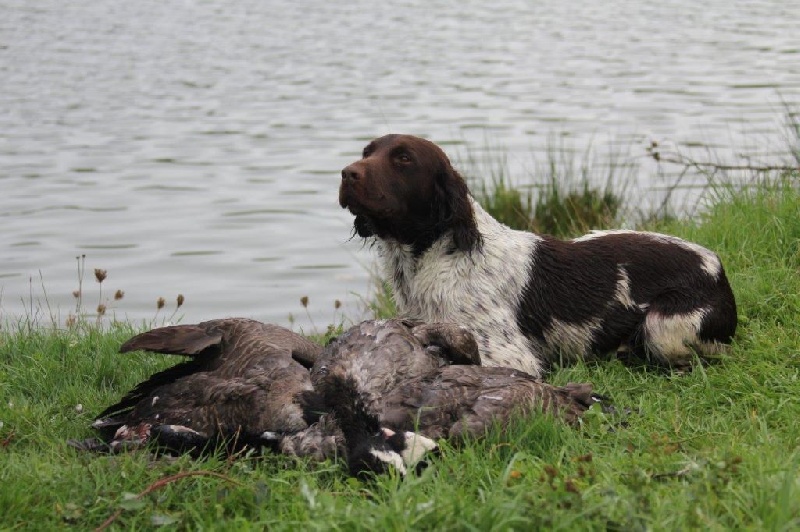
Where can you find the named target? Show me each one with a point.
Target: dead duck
(426, 377)
(245, 385)
(240, 383)
(380, 354)
(379, 393)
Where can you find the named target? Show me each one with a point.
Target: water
(195, 147)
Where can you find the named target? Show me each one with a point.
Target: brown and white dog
(531, 300)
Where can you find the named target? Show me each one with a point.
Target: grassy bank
(718, 448)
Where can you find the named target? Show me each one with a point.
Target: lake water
(195, 147)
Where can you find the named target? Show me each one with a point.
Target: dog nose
(350, 174)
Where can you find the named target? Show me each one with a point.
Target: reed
(566, 194)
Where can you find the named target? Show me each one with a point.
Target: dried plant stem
(178, 304)
(687, 162)
(53, 319)
(81, 269)
(7, 440)
(30, 301)
(160, 483)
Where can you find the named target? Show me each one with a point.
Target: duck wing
(113, 415)
(267, 400)
(463, 401)
(227, 348)
(457, 343)
(505, 393)
(206, 408)
(430, 404)
(216, 341)
(201, 341)
(192, 340)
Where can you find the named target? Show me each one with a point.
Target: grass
(568, 194)
(39, 311)
(716, 449)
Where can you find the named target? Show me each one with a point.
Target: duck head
(370, 447)
(386, 450)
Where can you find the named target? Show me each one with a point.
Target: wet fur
(531, 300)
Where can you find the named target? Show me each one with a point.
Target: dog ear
(453, 203)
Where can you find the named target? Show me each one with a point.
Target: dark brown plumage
(409, 385)
(378, 355)
(460, 401)
(367, 394)
(242, 380)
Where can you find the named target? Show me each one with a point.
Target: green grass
(567, 194)
(718, 448)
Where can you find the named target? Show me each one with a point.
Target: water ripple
(198, 147)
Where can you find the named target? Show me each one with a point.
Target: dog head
(405, 189)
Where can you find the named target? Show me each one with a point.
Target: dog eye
(403, 157)
(368, 149)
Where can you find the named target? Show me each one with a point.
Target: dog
(531, 300)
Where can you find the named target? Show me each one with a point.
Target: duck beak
(416, 447)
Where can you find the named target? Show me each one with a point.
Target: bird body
(240, 382)
(380, 393)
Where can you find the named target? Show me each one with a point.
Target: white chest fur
(479, 290)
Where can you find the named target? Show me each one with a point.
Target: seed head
(119, 294)
(100, 275)
(304, 301)
(571, 486)
(160, 303)
(337, 304)
(101, 309)
(180, 300)
(76, 294)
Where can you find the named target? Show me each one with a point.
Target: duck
(381, 394)
(380, 354)
(241, 381)
(427, 377)
(245, 385)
